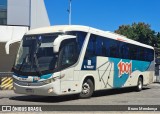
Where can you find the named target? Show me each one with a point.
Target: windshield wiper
(23, 62)
(37, 64)
(36, 59)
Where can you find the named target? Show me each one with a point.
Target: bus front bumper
(51, 89)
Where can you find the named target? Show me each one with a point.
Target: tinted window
(123, 50)
(100, 46)
(80, 37)
(90, 51)
(68, 53)
(113, 47)
(141, 53)
(150, 56)
(106, 48)
(132, 51)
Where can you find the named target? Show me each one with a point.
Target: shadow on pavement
(55, 99)
(45, 99)
(115, 91)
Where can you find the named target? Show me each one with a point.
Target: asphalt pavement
(150, 95)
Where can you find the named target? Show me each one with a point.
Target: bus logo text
(124, 68)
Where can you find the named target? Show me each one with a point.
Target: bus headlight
(50, 90)
(49, 80)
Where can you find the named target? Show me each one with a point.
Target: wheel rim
(140, 84)
(85, 88)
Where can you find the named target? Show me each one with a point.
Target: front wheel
(139, 84)
(87, 89)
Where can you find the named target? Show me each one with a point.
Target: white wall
(39, 16)
(8, 33)
(18, 12)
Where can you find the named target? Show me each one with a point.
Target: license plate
(29, 79)
(28, 90)
(23, 79)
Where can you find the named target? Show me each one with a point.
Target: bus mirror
(59, 39)
(9, 43)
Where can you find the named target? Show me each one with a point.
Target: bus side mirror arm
(58, 40)
(9, 43)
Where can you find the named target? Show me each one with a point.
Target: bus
(75, 59)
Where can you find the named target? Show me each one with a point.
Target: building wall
(7, 60)
(17, 16)
(18, 12)
(39, 16)
(27, 13)
(8, 33)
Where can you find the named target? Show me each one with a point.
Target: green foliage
(158, 39)
(140, 32)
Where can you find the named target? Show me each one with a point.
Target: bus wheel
(139, 84)
(87, 89)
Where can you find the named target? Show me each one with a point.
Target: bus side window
(150, 56)
(106, 47)
(99, 45)
(145, 54)
(138, 53)
(68, 53)
(80, 39)
(90, 51)
(141, 54)
(133, 52)
(114, 48)
(122, 50)
(125, 51)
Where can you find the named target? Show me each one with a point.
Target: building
(16, 18)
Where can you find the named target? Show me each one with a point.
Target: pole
(70, 11)
(30, 11)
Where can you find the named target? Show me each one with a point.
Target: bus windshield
(36, 54)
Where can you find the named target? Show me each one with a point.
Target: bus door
(67, 58)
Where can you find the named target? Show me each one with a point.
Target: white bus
(74, 59)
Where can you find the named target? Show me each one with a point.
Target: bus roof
(64, 28)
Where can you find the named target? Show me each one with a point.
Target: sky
(106, 15)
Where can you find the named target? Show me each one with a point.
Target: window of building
(3, 12)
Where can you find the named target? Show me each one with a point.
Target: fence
(6, 81)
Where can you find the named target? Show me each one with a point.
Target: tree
(140, 32)
(158, 40)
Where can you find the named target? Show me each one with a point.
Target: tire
(87, 89)
(139, 84)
